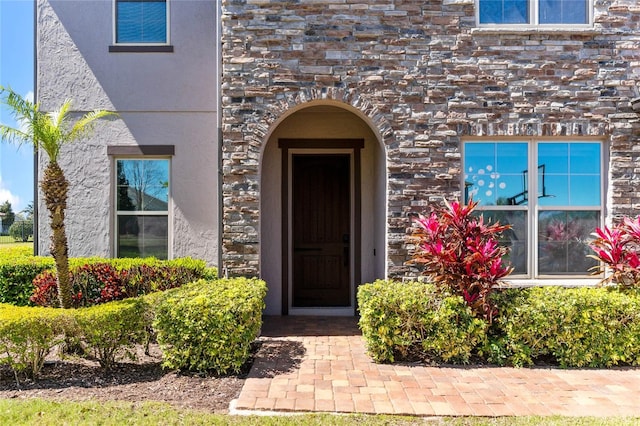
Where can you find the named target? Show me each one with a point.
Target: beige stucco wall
(161, 98)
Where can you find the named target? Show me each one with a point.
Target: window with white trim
(141, 21)
(550, 192)
(142, 207)
(533, 12)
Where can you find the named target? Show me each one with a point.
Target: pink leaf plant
(461, 253)
(617, 250)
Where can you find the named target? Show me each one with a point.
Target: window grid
(533, 210)
(532, 9)
(144, 211)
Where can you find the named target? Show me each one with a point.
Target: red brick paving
(320, 364)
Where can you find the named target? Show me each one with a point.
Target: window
(551, 194)
(141, 21)
(142, 208)
(534, 12)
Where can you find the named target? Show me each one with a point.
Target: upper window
(142, 208)
(533, 12)
(551, 194)
(141, 21)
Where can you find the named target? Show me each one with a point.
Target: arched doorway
(323, 210)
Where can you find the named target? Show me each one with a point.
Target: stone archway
(246, 128)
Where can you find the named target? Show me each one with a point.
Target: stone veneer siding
(426, 77)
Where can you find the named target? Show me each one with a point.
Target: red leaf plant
(617, 249)
(460, 253)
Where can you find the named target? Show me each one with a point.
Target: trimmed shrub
(575, 327)
(17, 275)
(109, 329)
(28, 334)
(408, 321)
(210, 325)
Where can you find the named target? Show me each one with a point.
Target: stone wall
(424, 73)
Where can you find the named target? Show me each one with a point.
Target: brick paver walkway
(320, 364)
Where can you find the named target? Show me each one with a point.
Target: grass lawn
(40, 412)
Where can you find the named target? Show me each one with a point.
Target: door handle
(345, 256)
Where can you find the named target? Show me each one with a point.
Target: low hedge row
(408, 322)
(16, 277)
(574, 327)
(210, 325)
(95, 279)
(570, 327)
(204, 326)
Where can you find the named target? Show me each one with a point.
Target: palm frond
(22, 112)
(86, 122)
(13, 135)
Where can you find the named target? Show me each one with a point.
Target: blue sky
(16, 71)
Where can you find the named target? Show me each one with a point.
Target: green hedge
(209, 325)
(107, 330)
(142, 276)
(28, 334)
(406, 321)
(204, 326)
(575, 327)
(16, 277)
(570, 327)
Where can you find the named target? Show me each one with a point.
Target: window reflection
(566, 208)
(495, 173)
(142, 203)
(143, 185)
(562, 241)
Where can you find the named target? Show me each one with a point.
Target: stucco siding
(160, 98)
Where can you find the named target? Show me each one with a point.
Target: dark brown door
(321, 237)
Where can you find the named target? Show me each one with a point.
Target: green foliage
(28, 334)
(402, 321)
(570, 327)
(21, 230)
(108, 329)
(575, 327)
(209, 325)
(17, 274)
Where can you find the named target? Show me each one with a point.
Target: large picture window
(551, 194)
(533, 12)
(141, 21)
(142, 208)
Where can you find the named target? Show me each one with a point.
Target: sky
(16, 71)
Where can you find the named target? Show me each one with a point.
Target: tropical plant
(617, 249)
(48, 132)
(461, 254)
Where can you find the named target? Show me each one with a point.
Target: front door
(321, 222)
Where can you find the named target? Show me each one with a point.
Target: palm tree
(48, 131)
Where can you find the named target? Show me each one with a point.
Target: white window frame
(533, 277)
(117, 213)
(114, 20)
(533, 14)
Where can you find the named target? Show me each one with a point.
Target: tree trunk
(54, 187)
